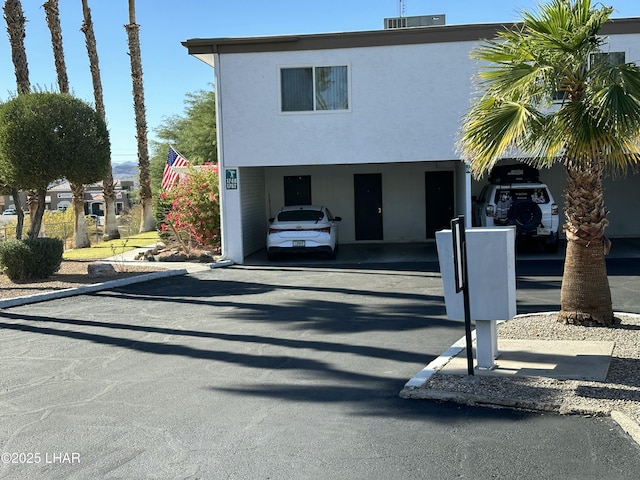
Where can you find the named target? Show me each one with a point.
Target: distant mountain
(125, 171)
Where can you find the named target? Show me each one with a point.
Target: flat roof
(206, 48)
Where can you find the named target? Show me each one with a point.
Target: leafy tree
(593, 129)
(48, 136)
(193, 135)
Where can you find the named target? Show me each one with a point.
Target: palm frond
(526, 66)
(493, 127)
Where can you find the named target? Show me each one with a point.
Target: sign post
(462, 281)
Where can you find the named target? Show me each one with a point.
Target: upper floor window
(306, 89)
(595, 59)
(613, 58)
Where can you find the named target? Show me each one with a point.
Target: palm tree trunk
(80, 233)
(147, 223)
(16, 28)
(111, 231)
(53, 21)
(585, 296)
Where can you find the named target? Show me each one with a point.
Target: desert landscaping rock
(98, 270)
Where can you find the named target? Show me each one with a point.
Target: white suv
(515, 196)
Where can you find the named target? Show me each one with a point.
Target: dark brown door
(439, 195)
(368, 206)
(297, 190)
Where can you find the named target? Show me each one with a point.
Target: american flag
(169, 176)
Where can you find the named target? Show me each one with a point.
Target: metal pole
(467, 308)
(462, 280)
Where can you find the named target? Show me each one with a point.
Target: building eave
(205, 49)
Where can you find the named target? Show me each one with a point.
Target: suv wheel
(526, 215)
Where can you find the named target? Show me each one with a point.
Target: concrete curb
(221, 263)
(190, 267)
(627, 424)
(478, 400)
(412, 391)
(69, 292)
(420, 378)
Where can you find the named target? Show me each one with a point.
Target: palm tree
(81, 235)
(592, 128)
(15, 27)
(14, 17)
(111, 231)
(148, 222)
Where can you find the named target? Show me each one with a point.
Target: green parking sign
(231, 174)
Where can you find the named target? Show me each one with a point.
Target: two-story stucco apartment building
(365, 123)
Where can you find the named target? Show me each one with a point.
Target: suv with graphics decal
(516, 197)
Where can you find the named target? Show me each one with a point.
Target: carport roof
(206, 48)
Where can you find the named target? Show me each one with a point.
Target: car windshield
(300, 216)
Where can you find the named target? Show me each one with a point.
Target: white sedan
(303, 228)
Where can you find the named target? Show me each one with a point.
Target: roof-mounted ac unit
(419, 21)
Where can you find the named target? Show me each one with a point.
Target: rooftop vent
(408, 22)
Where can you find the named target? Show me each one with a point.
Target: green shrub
(161, 208)
(31, 259)
(12, 258)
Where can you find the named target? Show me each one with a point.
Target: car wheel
(525, 215)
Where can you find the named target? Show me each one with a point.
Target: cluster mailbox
(491, 283)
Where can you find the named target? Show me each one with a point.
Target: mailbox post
(460, 272)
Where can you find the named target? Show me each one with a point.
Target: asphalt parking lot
(282, 371)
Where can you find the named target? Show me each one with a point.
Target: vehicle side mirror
(337, 219)
(271, 220)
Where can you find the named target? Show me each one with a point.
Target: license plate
(298, 243)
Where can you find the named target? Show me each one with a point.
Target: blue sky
(169, 73)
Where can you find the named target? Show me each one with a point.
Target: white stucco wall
(405, 105)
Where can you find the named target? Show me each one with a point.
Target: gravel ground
(619, 394)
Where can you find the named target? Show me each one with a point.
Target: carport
(379, 203)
